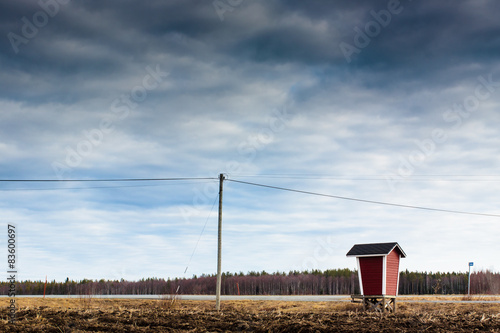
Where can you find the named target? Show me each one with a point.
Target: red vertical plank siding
(392, 273)
(371, 274)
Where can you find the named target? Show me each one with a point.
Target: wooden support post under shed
(376, 303)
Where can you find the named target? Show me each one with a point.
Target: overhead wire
(242, 182)
(363, 200)
(201, 234)
(107, 180)
(89, 187)
(413, 178)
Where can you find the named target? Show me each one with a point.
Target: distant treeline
(329, 282)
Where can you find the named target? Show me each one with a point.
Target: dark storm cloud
(90, 46)
(428, 39)
(98, 39)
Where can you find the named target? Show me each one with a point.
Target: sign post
(468, 287)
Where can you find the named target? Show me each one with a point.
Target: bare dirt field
(110, 315)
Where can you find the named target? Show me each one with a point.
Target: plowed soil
(99, 315)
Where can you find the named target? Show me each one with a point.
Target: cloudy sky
(388, 101)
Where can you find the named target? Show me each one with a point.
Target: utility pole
(219, 246)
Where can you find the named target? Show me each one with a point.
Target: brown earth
(104, 315)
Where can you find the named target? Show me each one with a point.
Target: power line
(413, 178)
(88, 187)
(106, 180)
(362, 200)
(358, 175)
(248, 183)
(201, 234)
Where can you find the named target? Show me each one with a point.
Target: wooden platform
(378, 303)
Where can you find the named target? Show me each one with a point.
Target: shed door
(371, 275)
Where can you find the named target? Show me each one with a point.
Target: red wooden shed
(378, 267)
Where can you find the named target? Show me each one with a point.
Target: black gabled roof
(374, 249)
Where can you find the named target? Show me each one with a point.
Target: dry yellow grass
(243, 305)
(450, 297)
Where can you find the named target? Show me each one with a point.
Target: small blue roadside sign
(468, 280)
